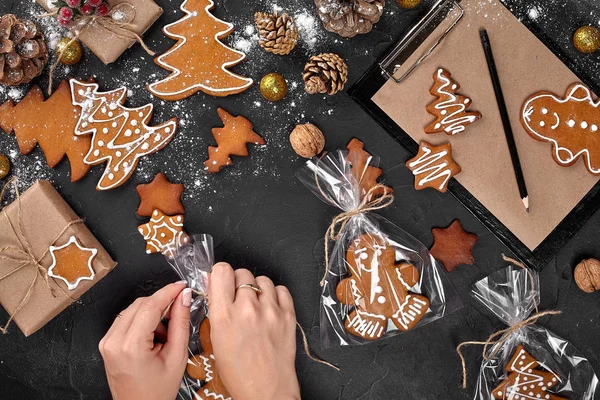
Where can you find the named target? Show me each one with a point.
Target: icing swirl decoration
(571, 124)
(450, 108)
(433, 166)
(163, 234)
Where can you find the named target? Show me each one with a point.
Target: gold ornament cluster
(273, 86)
(69, 51)
(587, 39)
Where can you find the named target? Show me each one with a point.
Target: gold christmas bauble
(273, 86)
(408, 3)
(587, 39)
(69, 51)
(4, 166)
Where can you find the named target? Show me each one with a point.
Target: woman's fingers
(150, 312)
(244, 277)
(284, 298)
(221, 289)
(122, 322)
(179, 327)
(268, 290)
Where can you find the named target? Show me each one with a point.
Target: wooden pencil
(510, 139)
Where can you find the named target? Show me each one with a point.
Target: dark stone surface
(262, 218)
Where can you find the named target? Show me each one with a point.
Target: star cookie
(72, 263)
(433, 166)
(453, 246)
(163, 234)
(162, 195)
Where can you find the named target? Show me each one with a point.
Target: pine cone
(325, 73)
(277, 34)
(23, 51)
(349, 17)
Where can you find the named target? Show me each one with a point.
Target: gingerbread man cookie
(450, 108)
(203, 368)
(571, 124)
(379, 289)
(525, 380)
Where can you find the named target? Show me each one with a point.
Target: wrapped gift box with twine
(36, 222)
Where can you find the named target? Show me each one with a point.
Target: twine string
(309, 353)
(9, 253)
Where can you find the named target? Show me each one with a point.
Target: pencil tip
(526, 203)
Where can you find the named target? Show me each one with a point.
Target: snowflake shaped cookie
(72, 263)
(163, 234)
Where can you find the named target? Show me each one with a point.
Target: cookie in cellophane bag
(379, 281)
(526, 361)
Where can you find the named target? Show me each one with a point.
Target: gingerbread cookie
(526, 381)
(72, 263)
(571, 124)
(160, 194)
(433, 166)
(365, 174)
(163, 234)
(120, 135)
(51, 124)
(231, 140)
(203, 368)
(199, 60)
(379, 289)
(450, 108)
(453, 246)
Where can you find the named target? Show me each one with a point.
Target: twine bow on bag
(23, 254)
(497, 339)
(117, 22)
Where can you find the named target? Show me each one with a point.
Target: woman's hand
(143, 359)
(253, 335)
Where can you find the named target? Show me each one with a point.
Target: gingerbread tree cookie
(120, 135)
(231, 139)
(525, 380)
(571, 124)
(379, 289)
(163, 234)
(203, 368)
(160, 194)
(450, 108)
(51, 124)
(199, 61)
(433, 166)
(72, 263)
(365, 174)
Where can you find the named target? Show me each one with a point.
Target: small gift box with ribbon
(48, 257)
(109, 35)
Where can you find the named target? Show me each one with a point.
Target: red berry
(102, 10)
(73, 3)
(86, 9)
(93, 3)
(66, 13)
(63, 22)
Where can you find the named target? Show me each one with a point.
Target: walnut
(587, 275)
(307, 140)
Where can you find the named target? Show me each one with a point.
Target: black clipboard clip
(393, 61)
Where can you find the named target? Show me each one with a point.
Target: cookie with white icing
(571, 124)
(379, 289)
(449, 108)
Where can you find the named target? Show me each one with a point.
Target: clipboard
(395, 92)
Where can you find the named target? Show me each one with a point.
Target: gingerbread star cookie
(163, 234)
(433, 166)
(526, 380)
(449, 108)
(160, 194)
(379, 289)
(453, 246)
(571, 124)
(72, 263)
(203, 368)
(363, 172)
(232, 139)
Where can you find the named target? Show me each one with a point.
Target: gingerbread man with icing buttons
(378, 289)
